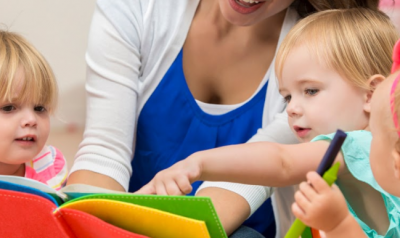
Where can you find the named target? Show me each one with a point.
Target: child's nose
(293, 109)
(29, 118)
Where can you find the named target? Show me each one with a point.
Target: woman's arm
(113, 63)
(232, 209)
(95, 179)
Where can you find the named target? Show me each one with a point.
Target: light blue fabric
(356, 150)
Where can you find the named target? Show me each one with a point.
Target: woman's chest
(224, 72)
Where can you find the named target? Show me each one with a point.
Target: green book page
(199, 208)
(74, 191)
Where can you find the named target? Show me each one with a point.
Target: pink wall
(389, 3)
(392, 9)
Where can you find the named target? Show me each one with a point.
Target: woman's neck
(12, 169)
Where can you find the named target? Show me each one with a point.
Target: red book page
(26, 215)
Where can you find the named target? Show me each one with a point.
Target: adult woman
(175, 77)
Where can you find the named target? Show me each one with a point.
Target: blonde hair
(355, 42)
(38, 85)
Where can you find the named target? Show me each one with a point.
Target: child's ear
(396, 163)
(372, 83)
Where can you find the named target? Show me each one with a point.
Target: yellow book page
(141, 220)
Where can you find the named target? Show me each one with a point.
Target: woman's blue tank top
(171, 126)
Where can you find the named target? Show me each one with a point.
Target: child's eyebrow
(282, 90)
(306, 80)
(300, 82)
(12, 99)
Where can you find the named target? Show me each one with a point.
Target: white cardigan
(132, 44)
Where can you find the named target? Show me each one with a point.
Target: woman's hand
(318, 205)
(176, 180)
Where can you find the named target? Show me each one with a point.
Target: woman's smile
(245, 6)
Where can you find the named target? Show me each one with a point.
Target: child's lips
(301, 131)
(26, 140)
(28, 137)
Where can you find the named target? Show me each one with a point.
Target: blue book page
(26, 189)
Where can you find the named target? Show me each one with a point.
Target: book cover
(69, 212)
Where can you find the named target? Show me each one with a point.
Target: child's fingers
(146, 189)
(160, 188)
(184, 184)
(308, 191)
(302, 201)
(336, 189)
(172, 188)
(298, 212)
(317, 182)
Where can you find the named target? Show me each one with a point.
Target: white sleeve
(276, 131)
(113, 68)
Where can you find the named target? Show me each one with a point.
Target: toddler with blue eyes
(28, 96)
(328, 67)
(314, 200)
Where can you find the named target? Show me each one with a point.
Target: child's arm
(261, 163)
(324, 208)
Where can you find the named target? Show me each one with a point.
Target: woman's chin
(236, 18)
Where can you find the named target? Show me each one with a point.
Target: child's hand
(319, 206)
(176, 180)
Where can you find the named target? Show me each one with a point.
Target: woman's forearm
(232, 209)
(94, 179)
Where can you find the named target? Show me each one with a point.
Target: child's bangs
(25, 77)
(344, 41)
(309, 35)
(27, 90)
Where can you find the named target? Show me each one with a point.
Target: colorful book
(32, 209)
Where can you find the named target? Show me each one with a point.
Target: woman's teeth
(250, 1)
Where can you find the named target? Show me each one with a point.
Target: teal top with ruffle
(356, 150)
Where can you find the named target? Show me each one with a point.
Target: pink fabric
(41, 157)
(394, 114)
(49, 167)
(52, 170)
(396, 57)
(395, 67)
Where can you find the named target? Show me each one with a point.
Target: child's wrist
(343, 227)
(197, 161)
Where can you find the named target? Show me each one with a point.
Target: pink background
(392, 9)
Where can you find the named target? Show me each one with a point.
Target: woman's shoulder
(147, 21)
(136, 9)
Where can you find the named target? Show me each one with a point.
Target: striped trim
(49, 167)
(61, 183)
(41, 157)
